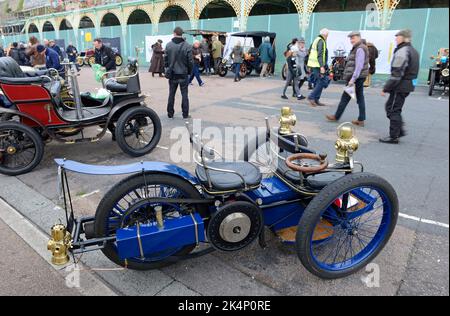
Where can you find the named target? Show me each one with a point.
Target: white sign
(246, 43)
(151, 40)
(383, 40)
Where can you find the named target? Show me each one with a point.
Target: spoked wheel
(80, 62)
(138, 131)
(119, 60)
(91, 61)
(21, 148)
(347, 225)
(284, 72)
(223, 71)
(243, 71)
(118, 209)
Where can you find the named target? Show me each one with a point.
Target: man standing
(206, 54)
(179, 63)
(197, 55)
(318, 62)
(52, 44)
(217, 51)
(14, 52)
(72, 53)
(355, 74)
(373, 56)
(104, 55)
(404, 70)
(266, 55)
(51, 58)
(2, 51)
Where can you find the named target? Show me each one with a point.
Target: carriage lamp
(59, 245)
(287, 121)
(346, 144)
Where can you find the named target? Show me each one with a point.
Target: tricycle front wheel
(347, 225)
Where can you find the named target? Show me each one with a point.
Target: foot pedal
(323, 231)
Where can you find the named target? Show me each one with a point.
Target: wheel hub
(11, 150)
(235, 227)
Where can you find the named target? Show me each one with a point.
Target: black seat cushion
(317, 181)
(9, 68)
(114, 86)
(222, 181)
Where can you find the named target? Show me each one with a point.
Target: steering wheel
(306, 167)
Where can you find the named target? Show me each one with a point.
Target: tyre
(347, 225)
(112, 214)
(432, 83)
(80, 62)
(284, 72)
(119, 60)
(244, 71)
(21, 148)
(138, 131)
(91, 61)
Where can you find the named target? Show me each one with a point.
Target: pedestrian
(179, 63)
(291, 78)
(157, 61)
(301, 62)
(14, 52)
(318, 62)
(404, 70)
(197, 56)
(217, 52)
(52, 44)
(104, 55)
(72, 53)
(37, 60)
(266, 56)
(355, 74)
(373, 56)
(206, 55)
(24, 60)
(237, 55)
(2, 52)
(52, 60)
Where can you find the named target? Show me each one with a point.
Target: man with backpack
(179, 63)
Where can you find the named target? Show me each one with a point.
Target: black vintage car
(439, 73)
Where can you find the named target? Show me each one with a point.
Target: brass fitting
(59, 245)
(346, 144)
(287, 121)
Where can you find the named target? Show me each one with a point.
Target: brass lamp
(287, 121)
(346, 144)
(59, 245)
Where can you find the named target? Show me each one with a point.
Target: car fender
(123, 106)
(23, 115)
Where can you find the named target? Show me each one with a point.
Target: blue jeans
(316, 93)
(345, 100)
(207, 63)
(196, 74)
(237, 71)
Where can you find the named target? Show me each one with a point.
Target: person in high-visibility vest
(318, 62)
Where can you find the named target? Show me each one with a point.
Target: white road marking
(163, 147)
(267, 107)
(423, 220)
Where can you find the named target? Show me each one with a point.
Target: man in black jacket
(14, 52)
(179, 63)
(405, 69)
(104, 55)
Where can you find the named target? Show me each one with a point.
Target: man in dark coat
(14, 52)
(157, 62)
(404, 71)
(2, 52)
(104, 55)
(24, 59)
(179, 63)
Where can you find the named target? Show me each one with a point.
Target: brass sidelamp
(346, 144)
(59, 245)
(288, 120)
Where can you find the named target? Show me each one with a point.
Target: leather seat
(114, 86)
(317, 181)
(11, 73)
(226, 182)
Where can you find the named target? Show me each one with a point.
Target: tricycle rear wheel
(347, 225)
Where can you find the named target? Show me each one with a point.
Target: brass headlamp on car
(346, 144)
(288, 120)
(59, 245)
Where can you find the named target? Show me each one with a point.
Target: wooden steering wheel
(307, 168)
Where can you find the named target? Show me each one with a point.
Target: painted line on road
(162, 147)
(423, 220)
(267, 107)
(37, 240)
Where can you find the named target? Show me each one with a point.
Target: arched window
(174, 13)
(110, 19)
(217, 9)
(33, 28)
(48, 27)
(342, 5)
(65, 25)
(268, 7)
(86, 23)
(139, 17)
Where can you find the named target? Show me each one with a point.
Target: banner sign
(383, 40)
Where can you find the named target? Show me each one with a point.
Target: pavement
(415, 262)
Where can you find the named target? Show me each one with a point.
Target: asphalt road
(415, 262)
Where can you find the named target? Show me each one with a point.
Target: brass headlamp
(287, 121)
(59, 245)
(346, 144)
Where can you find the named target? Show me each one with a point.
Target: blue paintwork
(177, 233)
(148, 166)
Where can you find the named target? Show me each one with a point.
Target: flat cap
(354, 33)
(40, 48)
(405, 33)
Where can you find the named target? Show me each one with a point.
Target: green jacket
(217, 48)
